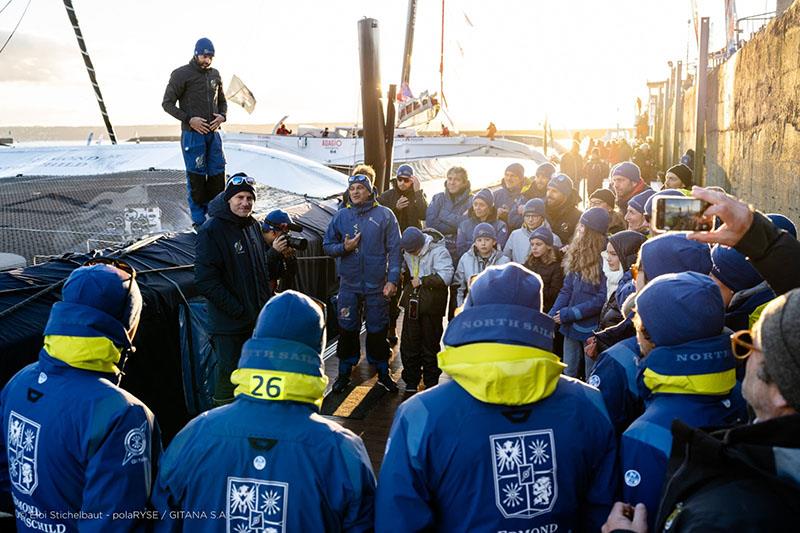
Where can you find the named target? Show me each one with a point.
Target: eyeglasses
(403, 178)
(358, 178)
(634, 271)
(238, 180)
(742, 344)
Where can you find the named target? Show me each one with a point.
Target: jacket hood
(219, 208)
(627, 244)
(502, 374)
(705, 367)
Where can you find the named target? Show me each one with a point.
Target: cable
(15, 27)
(5, 6)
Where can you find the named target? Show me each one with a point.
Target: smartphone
(413, 308)
(680, 213)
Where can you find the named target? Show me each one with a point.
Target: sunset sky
(581, 63)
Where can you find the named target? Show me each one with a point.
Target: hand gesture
(415, 183)
(590, 348)
(389, 289)
(217, 122)
(351, 244)
(402, 203)
(199, 125)
(735, 215)
(416, 282)
(557, 318)
(521, 209)
(624, 517)
(280, 244)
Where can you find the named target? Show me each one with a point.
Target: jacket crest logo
(23, 448)
(256, 505)
(238, 248)
(525, 483)
(135, 445)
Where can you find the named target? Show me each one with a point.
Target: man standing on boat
(197, 88)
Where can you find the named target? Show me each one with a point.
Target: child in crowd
(482, 210)
(578, 305)
(483, 253)
(545, 259)
(518, 246)
(429, 271)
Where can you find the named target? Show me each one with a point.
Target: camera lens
(298, 243)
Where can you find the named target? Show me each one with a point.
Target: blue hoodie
(72, 440)
(695, 383)
(509, 445)
(377, 258)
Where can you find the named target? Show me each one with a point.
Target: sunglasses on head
(742, 344)
(238, 180)
(358, 178)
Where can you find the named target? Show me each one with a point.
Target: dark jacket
(510, 199)
(413, 214)
(552, 278)
(231, 269)
(740, 479)
(467, 227)
(773, 252)
(198, 92)
(579, 303)
(572, 165)
(281, 269)
(564, 218)
(594, 172)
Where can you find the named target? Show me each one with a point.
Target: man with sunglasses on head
(406, 199)
(78, 452)
(231, 272)
(201, 109)
(364, 237)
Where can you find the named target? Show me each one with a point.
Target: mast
(410, 22)
(90, 69)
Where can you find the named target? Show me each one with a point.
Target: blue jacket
(494, 450)
(615, 374)
(694, 383)
(580, 303)
(511, 200)
(377, 258)
(270, 463)
(744, 303)
(464, 239)
(445, 213)
(72, 440)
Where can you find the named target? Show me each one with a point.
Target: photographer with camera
(281, 256)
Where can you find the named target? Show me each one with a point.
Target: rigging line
(15, 27)
(441, 62)
(5, 6)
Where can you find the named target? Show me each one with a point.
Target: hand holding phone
(680, 213)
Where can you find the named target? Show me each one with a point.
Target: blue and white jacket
(377, 258)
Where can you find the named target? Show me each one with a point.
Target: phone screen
(675, 213)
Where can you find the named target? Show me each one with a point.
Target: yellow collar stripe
(279, 386)
(717, 383)
(492, 352)
(88, 353)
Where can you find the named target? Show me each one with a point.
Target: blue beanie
(783, 222)
(542, 233)
(485, 195)
(546, 169)
(638, 202)
(627, 169)
(484, 229)
(534, 206)
(412, 240)
(672, 253)
(289, 336)
(504, 305)
(596, 219)
(204, 46)
(562, 183)
(678, 308)
(405, 171)
(648, 205)
(733, 269)
(516, 169)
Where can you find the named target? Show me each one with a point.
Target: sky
(580, 63)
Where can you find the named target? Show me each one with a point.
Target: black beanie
(233, 189)
(605, 195)
(684, 173)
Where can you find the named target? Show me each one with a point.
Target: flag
(238, 93)
(404, 93)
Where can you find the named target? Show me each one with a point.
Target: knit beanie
(232, 189)
(783, 222)
(684, 173)
(534, 206)
(405, 171)
(546, 169)
(516, 169)
(596, 219)
(638, 202)
(672, 253)
(604, 195)
(733, 269)
(679, 308)
(204, 46)
(542, 233)
(412, 240)
(484, 229)
(628, 169)
(485, 195)
(562, 183)
(780, 343)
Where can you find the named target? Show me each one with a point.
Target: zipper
(679, 505)
(208, 100)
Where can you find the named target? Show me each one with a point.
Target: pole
(410, 22)
(389, 134)
(372, 110)
(73, 18)
(700, 109)
(658, 125)
(676, 140)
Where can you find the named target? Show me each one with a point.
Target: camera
(413, 308)
(676, 213)
(298, 243)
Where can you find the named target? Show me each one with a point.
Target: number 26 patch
(267, 386)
